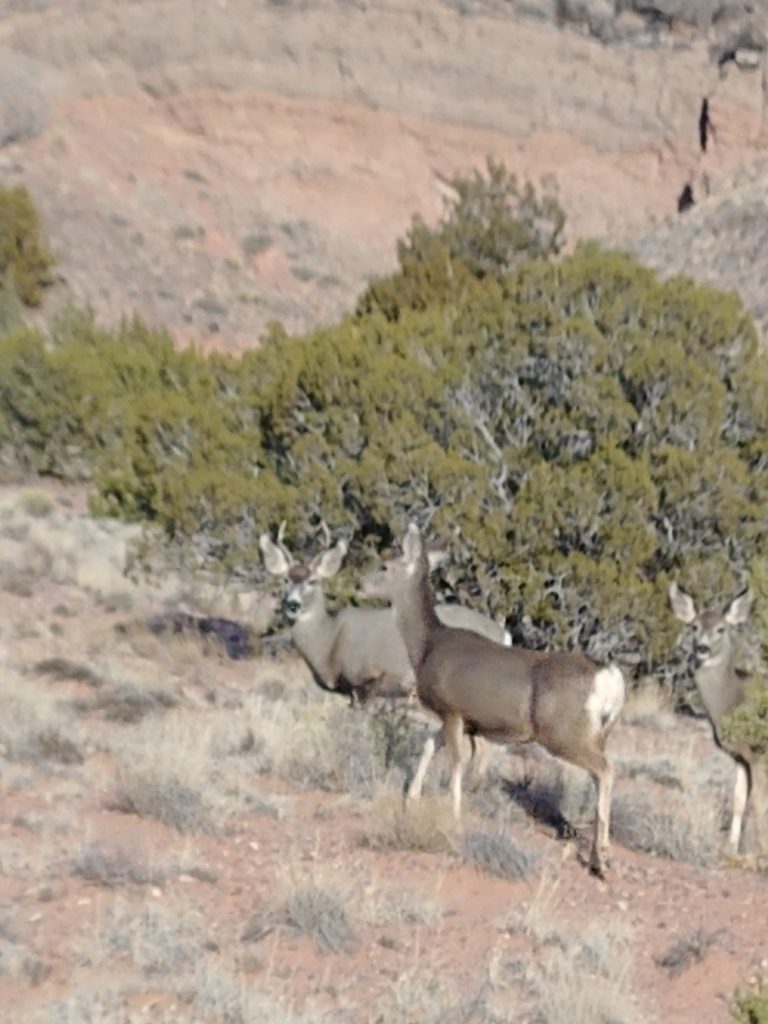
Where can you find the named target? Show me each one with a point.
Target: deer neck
(415, 614)
(314, 634)
(715, 683)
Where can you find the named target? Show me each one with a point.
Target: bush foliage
(489, 227)
(574, 431)
(24, 257)
(751, 1007)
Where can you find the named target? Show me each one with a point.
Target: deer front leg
(459, 753)
(760, 805)
(740, 797)
(434, 743)
(601, 843)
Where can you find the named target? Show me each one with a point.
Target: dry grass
(320, 910)
(128, 702)
(333, 908)
(164, 770)
(117, 866)
(36, 504)
(221, 996)
(158, 940)
(317, 744)
(673, 826)
(103, 1005)
(426, 996)
(649, 705)
(425, 826)
(495, 852)
(34, 726)
(580, 973)
(390, 907)
(586, 980)
(67, 670)
(687, 951)
(315, 904)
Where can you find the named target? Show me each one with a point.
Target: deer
(722, 688)
(359, 650)
(566, 702)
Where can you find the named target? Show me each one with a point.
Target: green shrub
(489, 228)
(576, 432)
(749, 722)
(751, 1007)
(23, 254)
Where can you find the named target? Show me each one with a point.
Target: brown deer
(565, 702)
(359, 651)
(722, 688)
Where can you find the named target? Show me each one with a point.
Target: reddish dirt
(49, 813)
(213, 172)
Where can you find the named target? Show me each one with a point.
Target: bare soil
(277, 895)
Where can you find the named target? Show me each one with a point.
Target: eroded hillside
(216, 166)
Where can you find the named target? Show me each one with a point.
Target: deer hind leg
(459, 753)
(480, 753)
(434, 743)
(759, 805)
(740, 797)
(599, 767)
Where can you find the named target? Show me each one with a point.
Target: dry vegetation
(188, 838)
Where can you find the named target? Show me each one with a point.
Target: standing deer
(566, 702)
(723, 688)
(359, 651)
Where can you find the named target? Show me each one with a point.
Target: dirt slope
(215, 166)
(188, 838)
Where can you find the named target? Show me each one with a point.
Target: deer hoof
(598, 865)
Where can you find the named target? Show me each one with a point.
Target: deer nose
(701, 651)
(291, 608)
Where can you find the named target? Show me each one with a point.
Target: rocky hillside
(216, 166)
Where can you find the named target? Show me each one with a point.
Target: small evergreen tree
(24, 257)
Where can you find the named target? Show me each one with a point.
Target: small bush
(159, 940)
(128, 703)
(168, 800)
(65, 670)
(489, 228)
(36, 504)
(496, 853)
(751, 1007)
(163, 771)
(425, 826)
(749, 722)
(23, 254)
(34, 727)
(322, 914)
(113, 867)
(669, 827)
(685, 952)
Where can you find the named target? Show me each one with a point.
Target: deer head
(304, 593)
(711, 628)
(383, 583)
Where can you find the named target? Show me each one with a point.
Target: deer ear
(739, 609)
(412, 545)
(328, 564)
(682, 604)
(276, 559)
(436, 559)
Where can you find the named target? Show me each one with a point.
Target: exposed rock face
(217, 165)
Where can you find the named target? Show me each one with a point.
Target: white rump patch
(606, 700)
(507, 641)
